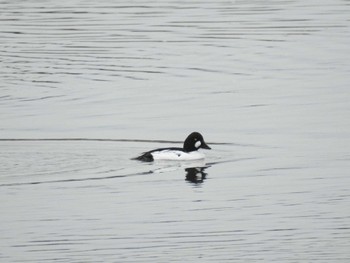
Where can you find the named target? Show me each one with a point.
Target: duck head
(194, 141)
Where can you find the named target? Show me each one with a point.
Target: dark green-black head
(194, 141)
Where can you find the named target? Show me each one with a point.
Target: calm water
(87, 85)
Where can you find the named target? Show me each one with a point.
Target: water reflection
(196, 175)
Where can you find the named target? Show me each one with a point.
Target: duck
(188, 152)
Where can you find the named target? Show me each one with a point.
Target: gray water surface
(87, 85)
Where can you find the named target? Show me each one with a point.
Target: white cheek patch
(197, 144)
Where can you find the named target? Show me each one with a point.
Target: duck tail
(146, 157)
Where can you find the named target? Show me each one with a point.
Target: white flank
(177, 155)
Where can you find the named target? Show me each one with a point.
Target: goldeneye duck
(193, 142)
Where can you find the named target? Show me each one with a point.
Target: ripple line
(109, 140)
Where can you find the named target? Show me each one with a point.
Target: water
(85, 86)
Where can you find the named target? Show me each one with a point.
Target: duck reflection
(196, 175)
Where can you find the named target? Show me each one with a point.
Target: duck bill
(205, 146)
